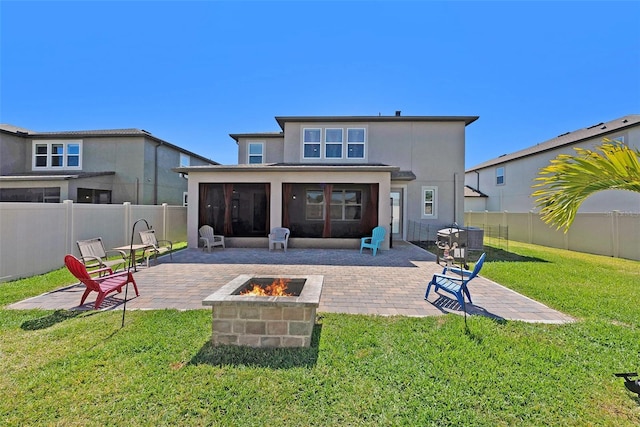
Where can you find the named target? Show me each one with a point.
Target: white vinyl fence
(35, 237)
(613, 234)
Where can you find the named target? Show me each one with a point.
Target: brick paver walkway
(391, 283)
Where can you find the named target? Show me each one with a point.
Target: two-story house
(330, 180)
(505, 183)
(93, 166)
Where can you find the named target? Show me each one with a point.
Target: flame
(278, 288)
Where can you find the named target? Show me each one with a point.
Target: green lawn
(66, 368)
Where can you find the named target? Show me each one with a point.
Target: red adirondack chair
(111, 282)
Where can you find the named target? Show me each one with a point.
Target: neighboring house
(330, 180)
(506, 182)
(94, 166)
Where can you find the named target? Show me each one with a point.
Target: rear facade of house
(331, 179)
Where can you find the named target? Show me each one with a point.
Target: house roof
(237, 136)
(26, 133)
(313, 167)
(472, 192)
(351, 119)
(317, 119)
(53, 176)
(600, 129)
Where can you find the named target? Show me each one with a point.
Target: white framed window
(185, 162)
(619, 138)
(500, 175)
(346, 205)
(356, 140)
(255, 153)
(429, 202)
(315, 205)
(311, 143)
(333, 143)
(61, 154)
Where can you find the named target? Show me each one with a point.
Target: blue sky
(193, 72)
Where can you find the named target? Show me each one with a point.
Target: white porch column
(193, 203)
(384, 209)
(275, 202)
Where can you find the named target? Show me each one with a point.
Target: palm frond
(568, 180)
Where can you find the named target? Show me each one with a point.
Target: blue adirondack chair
(374, 241)
(456, 282)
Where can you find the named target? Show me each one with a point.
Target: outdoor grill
(452, 245)
(454, 242)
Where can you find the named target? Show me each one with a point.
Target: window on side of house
(618, 138)
(185, 162)
(429, 202)
(500, 175)
(255, 153)
(30, 195)
(355, 143)
(333, 143)
(57, 155)
(311, 143)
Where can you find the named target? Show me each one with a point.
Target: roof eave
(317, 119)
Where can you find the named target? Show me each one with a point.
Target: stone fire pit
(265, 321)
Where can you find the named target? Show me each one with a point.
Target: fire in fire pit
(277, 288)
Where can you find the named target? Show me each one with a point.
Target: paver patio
(391, 283)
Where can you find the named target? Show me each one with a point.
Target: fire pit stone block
(259, 321)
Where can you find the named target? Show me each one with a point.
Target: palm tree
(568, 180)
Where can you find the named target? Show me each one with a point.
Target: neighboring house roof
(600, 129)
(7, 128)
(472, 192)
(53, 176)
(283, 119)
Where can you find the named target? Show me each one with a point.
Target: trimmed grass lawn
(68, 368)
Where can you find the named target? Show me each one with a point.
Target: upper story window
(185, 160)
(619, 138)
(256, 153)
(333, 143)
(311, 143)
(500, 175)
(57, 155)
(355, 143)
(429, 198)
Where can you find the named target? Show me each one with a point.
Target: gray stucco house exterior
(505, 183)
(331, 179)
(93, 166)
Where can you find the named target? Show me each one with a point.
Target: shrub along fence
(615, 234)
(34, 237)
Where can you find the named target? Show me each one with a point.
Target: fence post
(615, 230)
(165, 207)
(70, 231)
(126, 213)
